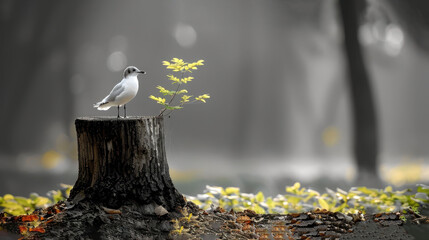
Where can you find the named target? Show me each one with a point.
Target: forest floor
(89, 221)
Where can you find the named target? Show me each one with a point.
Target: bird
(123, 92)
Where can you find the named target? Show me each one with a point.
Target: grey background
(274, 70)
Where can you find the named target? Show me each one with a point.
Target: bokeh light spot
(116, 61)
(394, 39)
(50, 159)
(330, 136)
(185, 35)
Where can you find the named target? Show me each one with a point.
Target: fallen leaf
(29, 218)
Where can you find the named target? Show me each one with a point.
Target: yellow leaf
(8, 197)
(63, 185)
(187, 79)
(340, 208)
(185, 98)
(257, 209)
(41, 201)
(270, 203)
(390, 209)
(232, 190)
(293, 200)
(294, 188)
(25, 202)
(13, 208)
(157, 99)
(173, 78)
(388, 189)
(16, 212)
(202, 97)
(197, 202)
(260, 197)
(323, 204)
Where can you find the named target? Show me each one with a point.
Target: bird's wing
(116, 91)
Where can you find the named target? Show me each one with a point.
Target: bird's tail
(102, 106)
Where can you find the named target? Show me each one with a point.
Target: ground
(90, 221)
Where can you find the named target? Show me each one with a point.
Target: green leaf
(423, 189)
(173, 107)
(23, 201)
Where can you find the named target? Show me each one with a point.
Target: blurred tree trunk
(365, 129)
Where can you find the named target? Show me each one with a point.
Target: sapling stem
(172, 98)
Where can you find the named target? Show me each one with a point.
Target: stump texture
(123, 161)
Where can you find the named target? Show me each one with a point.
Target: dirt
(90, 221)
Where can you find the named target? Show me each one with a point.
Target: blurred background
(326, 93)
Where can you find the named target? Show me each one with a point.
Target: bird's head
(132, 71)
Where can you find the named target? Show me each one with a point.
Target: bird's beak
(142, 72)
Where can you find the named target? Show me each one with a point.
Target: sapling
(184, 69)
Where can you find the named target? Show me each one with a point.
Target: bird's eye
(134, 69)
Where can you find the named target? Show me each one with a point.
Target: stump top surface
(112, 118)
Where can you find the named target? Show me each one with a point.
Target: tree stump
(123, 161)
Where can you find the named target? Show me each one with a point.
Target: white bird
(123, 92)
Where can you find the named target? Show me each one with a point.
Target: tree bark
(123, 161)
(365, 129)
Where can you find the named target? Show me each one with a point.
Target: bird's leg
(125, 111)
(118, 112)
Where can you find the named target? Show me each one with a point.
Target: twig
(172, 98)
